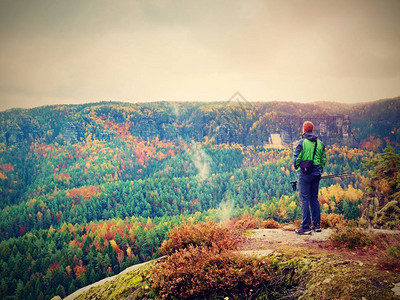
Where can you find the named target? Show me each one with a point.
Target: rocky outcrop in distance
(330, 129)
(249, 126)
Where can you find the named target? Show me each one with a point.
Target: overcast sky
(77, 51)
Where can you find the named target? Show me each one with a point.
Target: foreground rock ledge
(328, 272)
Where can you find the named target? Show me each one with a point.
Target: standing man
(309, 160)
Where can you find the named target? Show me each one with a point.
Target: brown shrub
(202, 272)
(247, 222)
(270, 223)
(390, 244)
(201, 234)
(351, 237)
(384, 241)
(332, 220)
(391, 259)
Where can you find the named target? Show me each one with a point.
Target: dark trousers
(308, 191)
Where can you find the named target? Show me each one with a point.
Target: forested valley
(88, 190)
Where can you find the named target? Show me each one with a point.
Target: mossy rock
(122, 286)
(347, 279)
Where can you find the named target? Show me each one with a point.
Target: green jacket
(304, 151)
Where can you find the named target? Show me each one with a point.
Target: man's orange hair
(308, 127)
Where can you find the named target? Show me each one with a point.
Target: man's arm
(297, 152)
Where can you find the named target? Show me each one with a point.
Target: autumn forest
(88, 190)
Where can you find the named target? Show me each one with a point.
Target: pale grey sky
(77, 51)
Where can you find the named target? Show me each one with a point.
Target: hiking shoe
(303, 231)
(317, 229)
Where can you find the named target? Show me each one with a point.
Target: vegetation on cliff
(205, 270)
